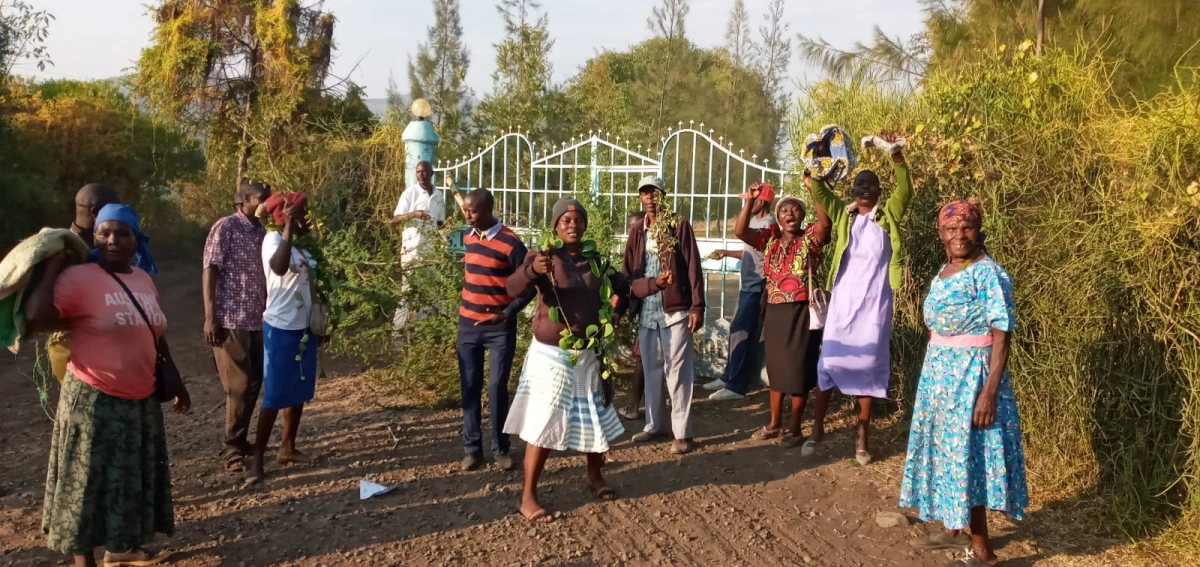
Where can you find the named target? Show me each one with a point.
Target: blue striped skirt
(559, 406)
(290, 367)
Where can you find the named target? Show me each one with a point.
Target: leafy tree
(65, 134)
(738, 42)
(774, 54)
(439, 71)
(237, 72)
(522, 89)
(667, 21)
(23, 33)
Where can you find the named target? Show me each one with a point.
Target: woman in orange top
(108, 482)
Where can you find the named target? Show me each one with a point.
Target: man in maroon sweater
(668, 319)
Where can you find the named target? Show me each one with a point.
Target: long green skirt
(108, 483)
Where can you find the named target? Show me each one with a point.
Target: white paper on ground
(367, 489)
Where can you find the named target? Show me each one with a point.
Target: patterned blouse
(785, 269)
(234, 247)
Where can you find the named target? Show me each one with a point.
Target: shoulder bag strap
(136, 305)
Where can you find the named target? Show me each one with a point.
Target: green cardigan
(888, 216)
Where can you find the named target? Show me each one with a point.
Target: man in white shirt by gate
(422, 209)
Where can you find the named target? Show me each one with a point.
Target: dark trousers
(500, 345)
(744, 331)
(240, 365)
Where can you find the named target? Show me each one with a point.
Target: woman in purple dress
(867, 268)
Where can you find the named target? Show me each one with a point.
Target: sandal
(940, 540)
(135, 557)
(789, 441)
(539, 517)
(606, 493)
(863, 457)
(808, 448)
(764, 434)
(629, 414)
(235, 464)
(968, 559)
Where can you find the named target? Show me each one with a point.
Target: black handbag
(168, 384)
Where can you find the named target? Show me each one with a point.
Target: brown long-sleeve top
(577, 288)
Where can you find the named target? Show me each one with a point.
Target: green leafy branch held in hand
(598, 337)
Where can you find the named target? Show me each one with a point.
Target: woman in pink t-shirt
(108, 482)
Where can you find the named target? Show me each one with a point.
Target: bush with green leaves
(1092, 207)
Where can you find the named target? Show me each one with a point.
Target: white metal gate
(702, 174)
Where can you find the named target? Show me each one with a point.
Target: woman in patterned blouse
(791, 248)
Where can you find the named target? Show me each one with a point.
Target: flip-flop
(539, 517)
(606, 494)
(765, 434)
(940, 540)
(863, 457)
(629, 415)
(788, 441)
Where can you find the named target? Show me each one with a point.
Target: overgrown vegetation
(1093, 210)
(1086, 158)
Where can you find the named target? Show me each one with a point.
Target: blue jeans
(472, 343)
(743, 342)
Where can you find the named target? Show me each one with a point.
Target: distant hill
(377, 106)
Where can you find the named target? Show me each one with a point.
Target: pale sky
(97, 39)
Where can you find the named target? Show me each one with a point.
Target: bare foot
(254, 469)
(287, 457)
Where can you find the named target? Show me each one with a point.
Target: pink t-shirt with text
(111, 348)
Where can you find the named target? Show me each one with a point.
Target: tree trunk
(1041, 25)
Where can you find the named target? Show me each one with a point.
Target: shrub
(1092, 208)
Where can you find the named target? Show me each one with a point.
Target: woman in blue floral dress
(964, 447)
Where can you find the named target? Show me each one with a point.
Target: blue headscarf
(125, 214)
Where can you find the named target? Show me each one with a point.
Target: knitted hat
(564, 206)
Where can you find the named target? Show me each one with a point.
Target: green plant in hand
(598, 337)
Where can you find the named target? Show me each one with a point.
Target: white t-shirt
(412, 240)
(289, 298)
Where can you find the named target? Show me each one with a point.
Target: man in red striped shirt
(487, 321)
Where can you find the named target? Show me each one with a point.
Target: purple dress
(856, 352)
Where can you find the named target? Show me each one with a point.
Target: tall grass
(1092, 208)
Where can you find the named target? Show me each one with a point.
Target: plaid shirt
(234, 247)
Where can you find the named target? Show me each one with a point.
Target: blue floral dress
(953, 466)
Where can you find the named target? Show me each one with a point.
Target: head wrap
(564, 206)
(789, 199)
(125, 214)
(766, 195)
(960, 210)
(278, 201)
(966, 211)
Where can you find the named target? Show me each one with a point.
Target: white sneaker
(724, 394)
(715, 385)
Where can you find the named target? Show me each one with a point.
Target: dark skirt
(108, 483)
(791, 348)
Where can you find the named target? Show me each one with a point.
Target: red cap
(766, 195)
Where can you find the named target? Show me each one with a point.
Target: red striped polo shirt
(490, 259)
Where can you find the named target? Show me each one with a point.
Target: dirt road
(733, 502)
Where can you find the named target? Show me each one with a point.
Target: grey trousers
(668, 355)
